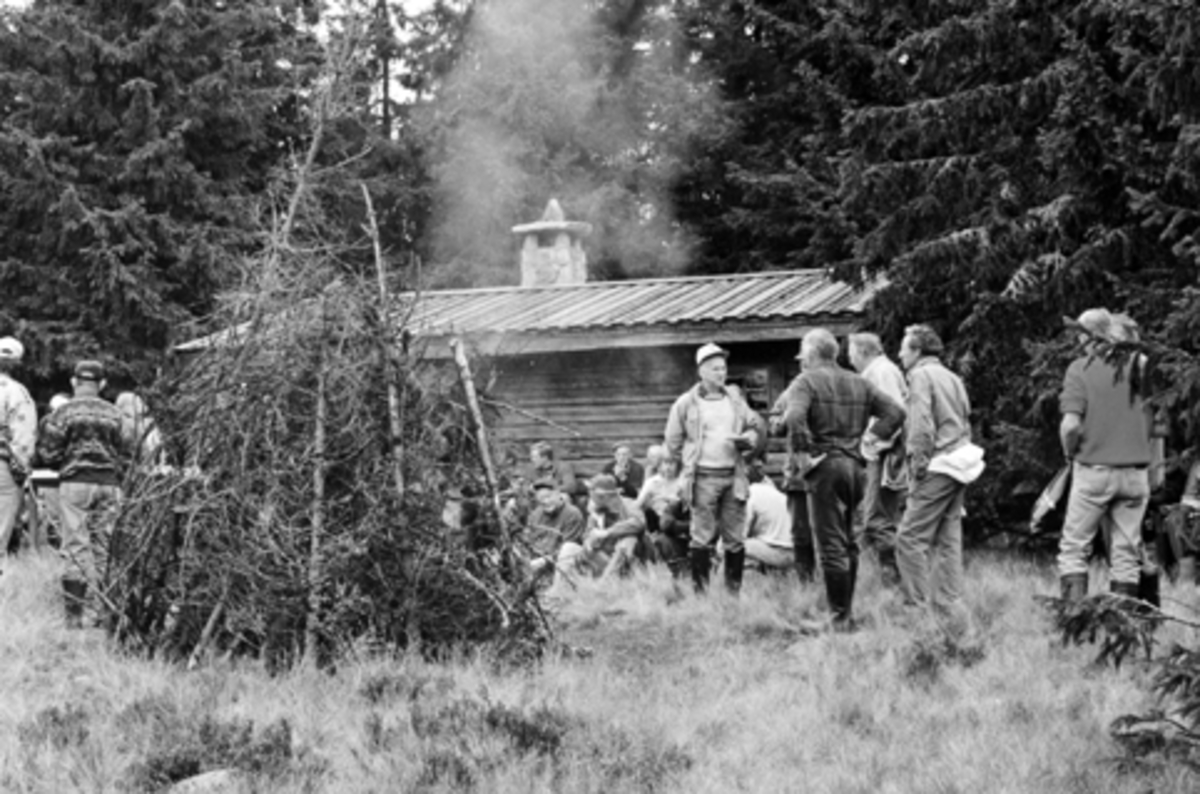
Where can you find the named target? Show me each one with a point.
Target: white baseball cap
(11, 349)
(708, 351)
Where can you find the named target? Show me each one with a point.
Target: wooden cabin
(587, 365)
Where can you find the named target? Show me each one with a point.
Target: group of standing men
(853, 439)
(90, 442)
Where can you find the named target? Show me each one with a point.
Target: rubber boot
(1074, 586)
(735, 563)
(701, 563)
(839, 591)
(74, 597)
(1148, 589)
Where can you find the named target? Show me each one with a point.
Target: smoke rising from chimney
(549, 102)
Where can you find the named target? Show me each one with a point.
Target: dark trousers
(835, 487)
(882, 510)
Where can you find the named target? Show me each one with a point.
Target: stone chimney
(552, 249)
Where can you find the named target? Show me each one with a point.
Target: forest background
(1003, 163)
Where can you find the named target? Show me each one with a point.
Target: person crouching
(614, 529)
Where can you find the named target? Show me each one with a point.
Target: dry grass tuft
(664, 692)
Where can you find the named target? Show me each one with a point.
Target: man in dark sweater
(829, 409)
(91, 446)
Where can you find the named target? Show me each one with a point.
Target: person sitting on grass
(768, 523)
(615, 529)
(628, 473)
(555, 530)
(667, 523)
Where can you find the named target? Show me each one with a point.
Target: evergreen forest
(1003, 163)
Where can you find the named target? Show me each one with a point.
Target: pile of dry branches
(295, 521)
(310, 449)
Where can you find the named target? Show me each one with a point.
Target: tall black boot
(701, 561)
(806, 564)
(1074, 586)
(1148, 590)
(74, 596)
(735, 563)
(839, 591)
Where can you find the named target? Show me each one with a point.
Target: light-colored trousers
(768, 555)
(929, 545)
(1119, 495)
(88, 512)
(10, 506)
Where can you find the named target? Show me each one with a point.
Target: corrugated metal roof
(660, 302)
(671, 304)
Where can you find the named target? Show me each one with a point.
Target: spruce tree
(134, 139)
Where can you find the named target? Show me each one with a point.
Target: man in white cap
(1106, 433)
(708, 429)
(18, 435)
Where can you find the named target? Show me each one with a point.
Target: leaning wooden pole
(320, 436)
(485, 454)
(387, 339)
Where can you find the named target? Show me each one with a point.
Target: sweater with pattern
(87, 440)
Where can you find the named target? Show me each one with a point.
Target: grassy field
(666, 692)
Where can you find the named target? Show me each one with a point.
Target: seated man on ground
(667, 521)
(768, 523)
(543, 462)
(628, 473)
(555, 531)
(615, 529)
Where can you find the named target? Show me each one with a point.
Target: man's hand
(745, 440)
(775, 424)
(804, 463)
(918, 465)
(594, 537)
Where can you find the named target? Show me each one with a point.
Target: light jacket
(938, 410)
(18, 425)
(683, 439)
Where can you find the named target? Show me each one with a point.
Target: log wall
(617, 395)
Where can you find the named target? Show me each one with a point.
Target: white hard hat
(11, 349)
(708, 351)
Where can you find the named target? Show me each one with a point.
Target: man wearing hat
(18, 435)
(555, 529)
(615, 528)
(829, 409)
(91, 446)
(708, 429)
(1106, 433)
